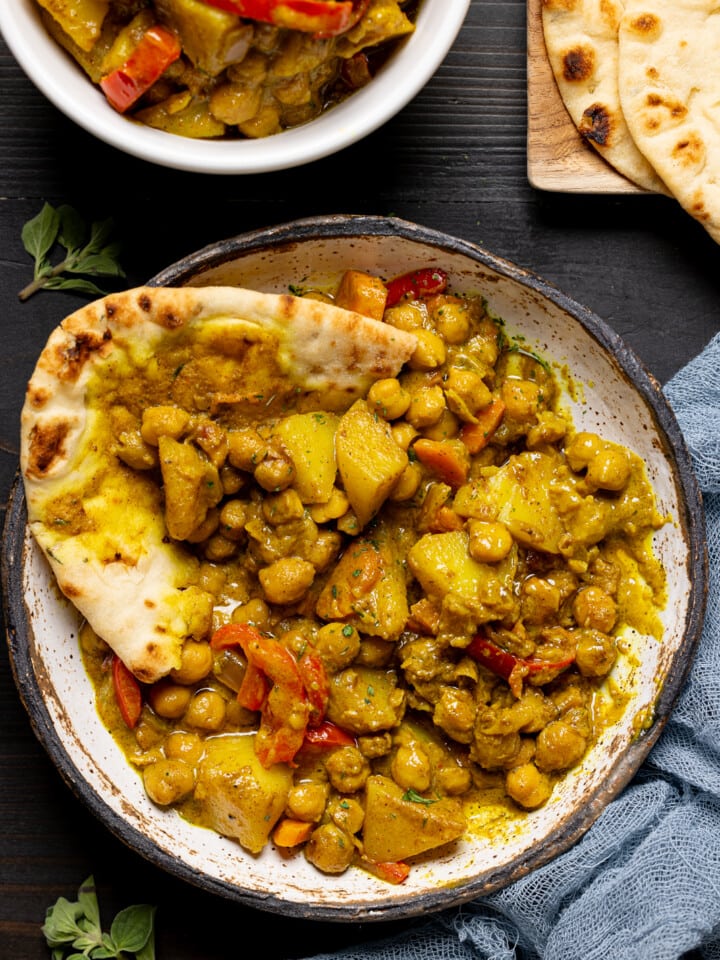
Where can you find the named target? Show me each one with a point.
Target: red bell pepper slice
(507, 665)
(157, 49)
(391, 871)
(325, 18)
(128, 693)
(315, 681)
(327, 736)
(418, 283)
(285, 707)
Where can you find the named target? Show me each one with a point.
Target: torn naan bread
(668, 76)
(581, 38)
(216, 354)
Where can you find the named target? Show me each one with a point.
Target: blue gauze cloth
(644, 881)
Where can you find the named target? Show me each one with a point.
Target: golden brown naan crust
(113, 557)
(581, 38)
(669, 55)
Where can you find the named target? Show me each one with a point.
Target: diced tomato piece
(157, 49)
(128, 693)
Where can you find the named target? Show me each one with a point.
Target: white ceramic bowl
(614, 395)
(404, 74)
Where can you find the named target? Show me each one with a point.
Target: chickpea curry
(416, 597)
(228, 68)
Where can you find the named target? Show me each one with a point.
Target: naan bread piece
(581, 38)
(219, 353)
(669, 76)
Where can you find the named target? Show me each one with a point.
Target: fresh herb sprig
(73, 930)
(88, 253)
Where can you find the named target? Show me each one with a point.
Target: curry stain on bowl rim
(43, 629)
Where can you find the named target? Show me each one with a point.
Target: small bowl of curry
(231, 86)
(441, 609)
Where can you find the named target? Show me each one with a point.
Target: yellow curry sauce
(197, 69)
(412, 603)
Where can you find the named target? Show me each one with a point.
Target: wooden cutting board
(557, 157)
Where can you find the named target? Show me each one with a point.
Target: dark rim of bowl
(692, 522)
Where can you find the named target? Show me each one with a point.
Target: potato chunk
(309, 438)
(397, 827)
(368, 458)
(240, 798)
(367, 588)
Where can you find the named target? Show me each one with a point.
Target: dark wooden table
(454, 159)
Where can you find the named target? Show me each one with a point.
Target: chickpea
(347, 769)
(167, 781)
(403, 433)
(447, 427)
(540, 599)
(466, 392)
(582, 448)
(558, 747)
(388, 398)
(181, 745)
(453, 780)
(233, 517)
(330, 849)
(246, 449)
(595, 652)
(276, 472)
(133, 451)
(489, 541)
(528, 786)
(286, 580)
(426, 407)
(404, 316)
(255, 612)
(521, 399)
(283, 507)
(306, 801)
(608, 470)
(206, 711)
(346, 813)
(411, 768)
(265, 123)
(335, 507)
(451, 318)
(324, 550)
(408, 483)
(169, 700)
(234, 103)
(231, 479)
(207, 528)
(593, 607)
(429, 352)
(163, 421)
(219, 547)
(455, 713)
(374, 745)
(196, 660)
(337, 645)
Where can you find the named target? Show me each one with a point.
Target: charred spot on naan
(646, 26)
(597, 125)
(690, 151)
(578, 64)
(46, 446)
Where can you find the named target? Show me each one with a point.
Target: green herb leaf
(40, 233)
(132, 927)
(414, 797)
(88, 252)
(76, 927)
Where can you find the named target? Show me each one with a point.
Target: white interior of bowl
(399, 80)
(607, 403)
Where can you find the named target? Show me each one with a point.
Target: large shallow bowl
(614, 395)
(405, 73)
